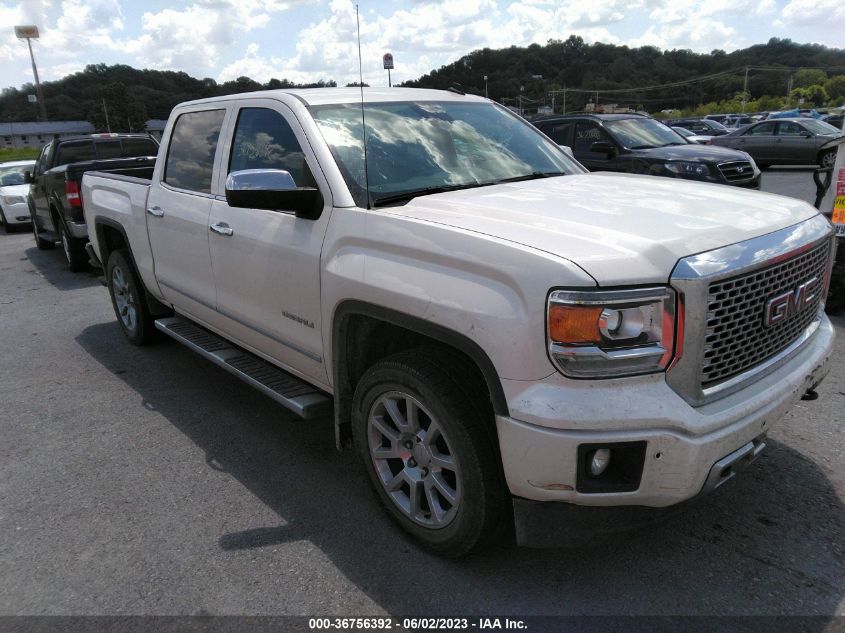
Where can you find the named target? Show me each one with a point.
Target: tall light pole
(486, 96)
(30, 32)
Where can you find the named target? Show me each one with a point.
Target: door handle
(156, 212)
(221, 228)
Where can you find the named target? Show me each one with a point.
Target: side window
(190, 156)
(789, 128)
(764, 129)
(264, 140)
(43, 162)
(587, 133)
(560, 133)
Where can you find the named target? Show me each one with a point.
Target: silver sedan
(793, 141)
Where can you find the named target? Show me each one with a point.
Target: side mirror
(807, 134)
(272, 190)
(603, 147)
(27, 178)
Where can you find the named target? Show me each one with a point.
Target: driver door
(267, 263)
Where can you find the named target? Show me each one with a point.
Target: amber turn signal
(574, 324)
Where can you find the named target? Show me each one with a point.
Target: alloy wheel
(124, 299)
(414, 460)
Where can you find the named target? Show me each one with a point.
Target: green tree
(808, 77)
(813, 95)
(835, 87)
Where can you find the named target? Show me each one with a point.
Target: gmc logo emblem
(780, 308)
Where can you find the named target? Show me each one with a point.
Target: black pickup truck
(54, 198)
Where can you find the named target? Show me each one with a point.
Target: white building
(36, 134)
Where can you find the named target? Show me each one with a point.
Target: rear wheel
(128, 300)
(430, 453)
(74, 249)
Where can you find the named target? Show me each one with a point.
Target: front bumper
(16, 213)
(553, 417)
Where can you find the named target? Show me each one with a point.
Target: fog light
(600, 461)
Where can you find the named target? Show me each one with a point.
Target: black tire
(6, 227)
(127, 292)
(827, 158)
(484, 504)
(74, 250)
(40, 242)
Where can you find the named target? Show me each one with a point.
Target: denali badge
(779, 308)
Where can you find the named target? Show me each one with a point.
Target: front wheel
(430, 453)
(128, 300)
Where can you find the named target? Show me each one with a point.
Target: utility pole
(29, 33)
(486, 96)
(106, 112)
(745, 90)
(789, 92)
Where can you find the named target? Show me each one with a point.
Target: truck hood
(621, 229)
(692, 152)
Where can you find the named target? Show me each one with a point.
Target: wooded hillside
(132, 96)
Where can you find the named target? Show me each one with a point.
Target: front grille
(736, 338)
(736, 170)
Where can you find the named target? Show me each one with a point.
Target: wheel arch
(111, 236)
(355, 324)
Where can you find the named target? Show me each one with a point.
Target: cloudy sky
(307, 40)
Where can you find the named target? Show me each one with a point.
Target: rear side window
(764, 129)
(190, 156)
(74, 152)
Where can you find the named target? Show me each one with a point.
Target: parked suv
(640, 145)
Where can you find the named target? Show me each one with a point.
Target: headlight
(604, 334)
(688, 169)
(13, 199)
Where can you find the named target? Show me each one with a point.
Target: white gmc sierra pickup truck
(505, 338)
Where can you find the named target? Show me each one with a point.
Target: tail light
(72, 193)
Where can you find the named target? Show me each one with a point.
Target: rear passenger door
(178, 208)
(794, 143)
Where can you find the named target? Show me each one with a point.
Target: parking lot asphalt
(148, 481)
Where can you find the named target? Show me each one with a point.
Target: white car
(13, 191)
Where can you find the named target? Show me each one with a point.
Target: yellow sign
(839, 210)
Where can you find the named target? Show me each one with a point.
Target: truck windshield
(418, 148)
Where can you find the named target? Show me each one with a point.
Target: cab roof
(324, 96)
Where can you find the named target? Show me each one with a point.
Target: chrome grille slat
(736, 170)
(735, 337)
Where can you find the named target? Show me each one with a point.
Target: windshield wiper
(425, 191)
(532, 176)
(408, 195)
